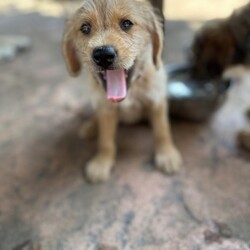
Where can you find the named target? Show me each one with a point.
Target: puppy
(220, 45)
(120, 44)
(244, 136)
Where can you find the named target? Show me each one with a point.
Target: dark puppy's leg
(248, 113)
(244, 135)
(99, 168)
(167, 156)
(247, 49)
(244, 138)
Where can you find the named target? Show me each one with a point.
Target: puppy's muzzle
(104, 56)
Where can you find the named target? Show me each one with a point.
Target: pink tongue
(116, 85)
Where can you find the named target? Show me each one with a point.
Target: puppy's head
(212, 50)
(107, 37)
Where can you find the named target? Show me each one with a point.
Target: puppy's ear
(70, 54)
(157, 37)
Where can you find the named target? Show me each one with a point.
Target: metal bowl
(193, 99)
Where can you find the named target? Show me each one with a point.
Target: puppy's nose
(104, 56)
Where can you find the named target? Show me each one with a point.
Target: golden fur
(141, 48)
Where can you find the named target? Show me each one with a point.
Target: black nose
(104, 56)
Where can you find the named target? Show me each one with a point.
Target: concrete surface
(45, 202)
(10, 46)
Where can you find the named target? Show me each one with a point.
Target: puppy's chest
(132, 109)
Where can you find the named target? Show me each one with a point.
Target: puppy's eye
(85, 28)
(126, 25)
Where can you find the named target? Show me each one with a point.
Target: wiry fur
(140, 47)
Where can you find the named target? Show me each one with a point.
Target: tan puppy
(120, 43)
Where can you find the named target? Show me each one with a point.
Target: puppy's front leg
(167, 156)
(244, 138)
(244, 135)
(98, 169)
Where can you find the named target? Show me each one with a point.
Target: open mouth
(116, 83)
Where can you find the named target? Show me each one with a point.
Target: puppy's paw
(88, 130)
(98, 169)
(248, 113)
(169, 161)
(244, 138)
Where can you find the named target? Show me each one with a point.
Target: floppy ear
(157, 37)
(70, 54)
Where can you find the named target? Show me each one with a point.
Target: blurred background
(45, 201)
(179, 9)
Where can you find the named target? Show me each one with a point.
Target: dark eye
(85, 28)
(126, 25)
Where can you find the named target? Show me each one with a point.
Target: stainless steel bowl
(193, 99)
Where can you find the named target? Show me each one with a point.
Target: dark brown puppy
(222, 43)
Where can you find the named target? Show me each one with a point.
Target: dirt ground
(45, 201)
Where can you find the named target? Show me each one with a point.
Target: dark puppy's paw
(244, 138)
(248, 113)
